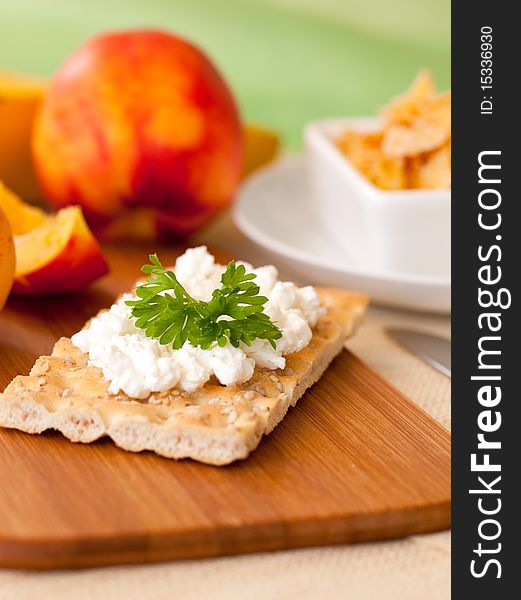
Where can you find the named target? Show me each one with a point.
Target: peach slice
(22, 216)
(6, 258)
(261, 146)
(54, 253)
(59, 255)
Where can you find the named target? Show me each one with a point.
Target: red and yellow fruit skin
(7, 259)
(76, 265)
(139, 119)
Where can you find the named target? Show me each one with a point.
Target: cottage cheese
(139, 365)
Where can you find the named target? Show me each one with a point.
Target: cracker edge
(218, 446)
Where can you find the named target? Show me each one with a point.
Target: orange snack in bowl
(364, 150)
(413, 147)
(431, 170)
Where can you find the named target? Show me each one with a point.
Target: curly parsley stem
(165, 310)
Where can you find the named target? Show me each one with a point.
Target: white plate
(274, 209)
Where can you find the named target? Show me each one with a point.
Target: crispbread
(215, 424)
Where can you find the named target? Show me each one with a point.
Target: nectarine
(139, 119)
(6, 259)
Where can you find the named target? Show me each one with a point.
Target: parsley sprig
(167, 312)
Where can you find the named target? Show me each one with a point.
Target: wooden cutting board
(354, 461)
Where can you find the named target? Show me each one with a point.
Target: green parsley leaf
(165, 310)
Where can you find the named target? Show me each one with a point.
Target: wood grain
(354, 461)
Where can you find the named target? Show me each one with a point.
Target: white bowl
(275, 209)
(385, 230)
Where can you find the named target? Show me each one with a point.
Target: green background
(289, 61)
